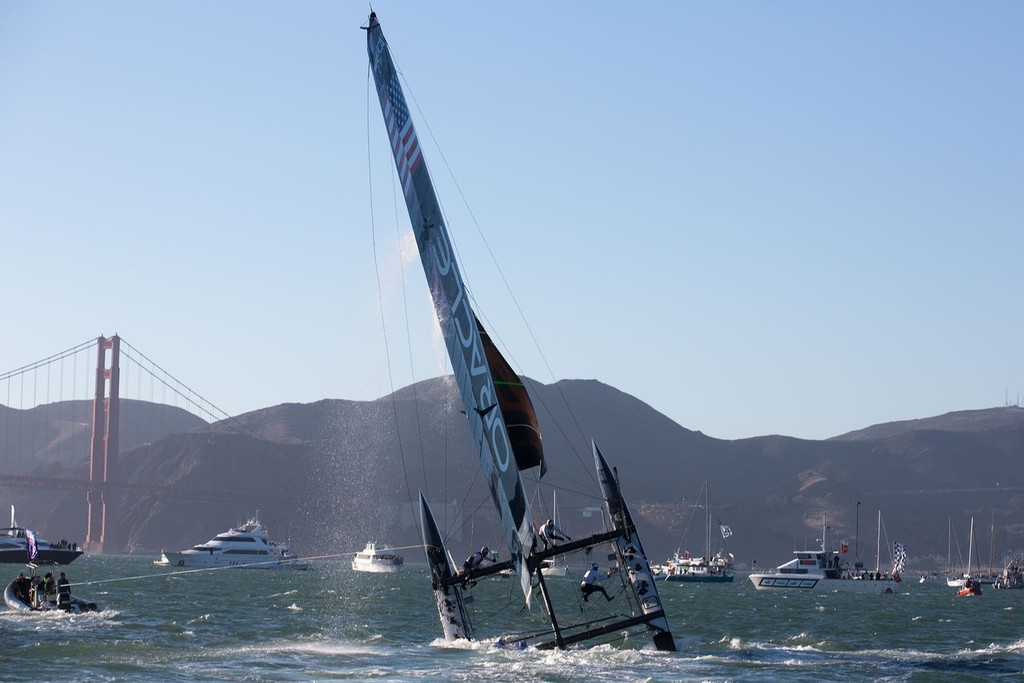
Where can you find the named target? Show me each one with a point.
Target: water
(330, 623)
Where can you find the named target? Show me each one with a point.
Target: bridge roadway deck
(173, 492)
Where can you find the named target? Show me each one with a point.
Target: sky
(795, 218)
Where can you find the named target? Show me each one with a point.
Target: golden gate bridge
(60, 411)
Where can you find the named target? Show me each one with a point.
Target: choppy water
(331, 623)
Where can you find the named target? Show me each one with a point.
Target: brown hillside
(333, 474)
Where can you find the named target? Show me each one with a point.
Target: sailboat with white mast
(504, 429)
(555, 566)
(963, 579)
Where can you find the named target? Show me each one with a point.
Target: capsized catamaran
(501, 417)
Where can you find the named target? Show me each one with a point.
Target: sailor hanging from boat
(590, 584)
(474, 562)
(550, 532)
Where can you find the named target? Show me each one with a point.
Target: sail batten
(459, 326)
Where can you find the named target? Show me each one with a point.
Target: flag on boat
(726, 531)
(899, 559)
(30, 545)
(844, 546)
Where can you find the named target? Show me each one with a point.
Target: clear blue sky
(799, 218)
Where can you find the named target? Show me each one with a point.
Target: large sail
(453, 311)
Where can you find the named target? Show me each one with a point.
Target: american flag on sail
(30, 545)
(404, 144)
(899, 558)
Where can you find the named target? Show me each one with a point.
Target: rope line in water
(231, 566)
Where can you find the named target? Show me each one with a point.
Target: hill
(330, 475)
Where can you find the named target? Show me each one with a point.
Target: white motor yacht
(377, 558)
(247, 546)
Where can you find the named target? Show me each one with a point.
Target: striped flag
(404, 144)
(30, 545)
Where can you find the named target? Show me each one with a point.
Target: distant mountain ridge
(330, 475)
(960, 421)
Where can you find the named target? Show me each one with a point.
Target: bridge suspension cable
(200, 405)
(25, 369)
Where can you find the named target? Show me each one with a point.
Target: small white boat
(247, 546)
(551, 569)
(933, 578)
(377, 558)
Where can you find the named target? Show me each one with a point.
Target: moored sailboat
(504, 428)
(706, 568)
(555, 566)
(965, 578)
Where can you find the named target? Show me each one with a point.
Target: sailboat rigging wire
(501, 274)
(213, 416)
(450, 532)
(179, 572)
(405, 311)
(380, 302)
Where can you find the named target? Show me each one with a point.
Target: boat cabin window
(246, 551)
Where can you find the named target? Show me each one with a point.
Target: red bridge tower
(103, 534)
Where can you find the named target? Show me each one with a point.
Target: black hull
(673, 578)
(46, 556)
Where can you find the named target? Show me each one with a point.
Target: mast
(949, 546)
(878, 545)
(856, 548)
(970, 548)
(707, 522)
(455, 316)
(992, 544)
